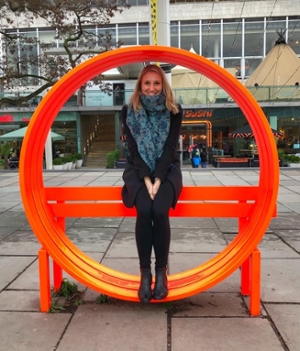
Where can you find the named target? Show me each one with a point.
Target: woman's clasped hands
(152, 187)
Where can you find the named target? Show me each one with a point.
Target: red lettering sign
(25, 119)
(6, 118)
(198, 113)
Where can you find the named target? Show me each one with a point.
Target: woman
(152, 177)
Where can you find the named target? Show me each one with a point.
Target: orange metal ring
(82, 267)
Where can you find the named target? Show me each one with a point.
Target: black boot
(161, 284)
(145, 292)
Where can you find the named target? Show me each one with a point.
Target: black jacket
(168, 166)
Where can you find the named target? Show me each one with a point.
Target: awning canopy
(246, 132)
(20, 133)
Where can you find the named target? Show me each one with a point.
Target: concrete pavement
(215, 320)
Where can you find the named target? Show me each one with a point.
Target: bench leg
(44, 275)
(57, 271)
(255, 283)
(250, 281)
(245, 277)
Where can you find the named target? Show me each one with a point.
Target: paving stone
(287, 321)
(280, 280)
(12, 267)
(128, 327)
(22, 331)
(226, 334)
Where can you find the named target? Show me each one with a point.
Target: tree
(31, 64)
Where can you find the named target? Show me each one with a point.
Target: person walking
(203, 156)
(152, 176)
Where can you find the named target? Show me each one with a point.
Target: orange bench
(216, 201)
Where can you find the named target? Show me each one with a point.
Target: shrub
(292, 159)
(58, 161)
(112, 157)
(78, 156)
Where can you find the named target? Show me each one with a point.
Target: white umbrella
(20, 133)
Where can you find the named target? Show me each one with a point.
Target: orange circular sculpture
(83, 268)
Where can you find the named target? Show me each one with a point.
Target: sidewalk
(216, 320)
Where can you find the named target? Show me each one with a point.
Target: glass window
(107, 35)
(254, 38)
(233, 66)
(211, 35)
(271, 35)
(47, 37)
(251, 65)
(28, 55)
(144, 34)
(294, 35)
(127, 34)
(232, 39)
(189, 37)
(174, 34)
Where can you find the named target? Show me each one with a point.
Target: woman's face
(151, 84)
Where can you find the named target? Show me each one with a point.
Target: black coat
(168, 166)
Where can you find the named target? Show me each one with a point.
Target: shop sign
(197, 113)
(10, 118)
(6, 118)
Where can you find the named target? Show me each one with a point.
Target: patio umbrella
(20, 133)
(246, 132)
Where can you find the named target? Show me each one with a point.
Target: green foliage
(78, 156)
(68, 158)
(56, 308)
(2, 162)
(67, 289)
(292, 159)
(112, 157)
(5, 150)
(57, 161)
(102, 299)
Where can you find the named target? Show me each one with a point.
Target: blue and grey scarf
(150, 127)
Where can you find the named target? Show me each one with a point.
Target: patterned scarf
(150, 127)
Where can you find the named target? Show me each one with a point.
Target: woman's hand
(149, 187)
(156, 186)
(152, 188)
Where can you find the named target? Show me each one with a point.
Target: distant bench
(231, 162)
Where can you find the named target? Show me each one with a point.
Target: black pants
(153, 225)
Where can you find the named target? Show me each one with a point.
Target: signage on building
(10, 118)
(6, 118)
(201, 113)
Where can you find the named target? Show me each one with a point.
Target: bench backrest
(105, 201)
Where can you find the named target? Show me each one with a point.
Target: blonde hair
(166, 89)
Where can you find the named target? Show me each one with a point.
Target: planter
(65, 166)
(79, 163)
(73, 165)
(58, 167)
(69, 165)
(294, 165)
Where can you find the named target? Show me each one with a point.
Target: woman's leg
(161, 237)
(161, 223)
(143, 227)
(144, 242)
